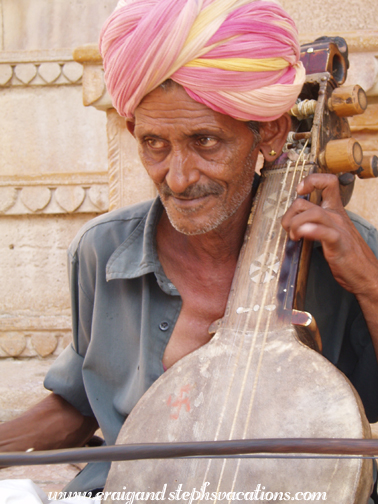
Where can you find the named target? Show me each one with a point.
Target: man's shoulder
(360, 222)
(113, 227)
(366, 230)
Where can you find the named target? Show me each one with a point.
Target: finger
(329, 237)
(298, 207)
(314, 216)
(325, 182)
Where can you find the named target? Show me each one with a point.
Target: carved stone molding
(128, 180)
(38, 336)
(114, 126)
(94, 89)
(54, 194)
(39, 68)
(26, 344)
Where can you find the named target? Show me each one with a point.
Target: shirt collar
(137, 255)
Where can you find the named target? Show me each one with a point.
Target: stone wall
(53, 166)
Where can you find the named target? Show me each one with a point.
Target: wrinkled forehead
(171, 106)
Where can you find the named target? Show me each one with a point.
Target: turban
(237, 57)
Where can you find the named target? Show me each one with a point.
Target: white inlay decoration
(243, 310)
(270, 307)
(264, 268)
(270, 205)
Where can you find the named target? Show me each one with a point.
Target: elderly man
(204, 86)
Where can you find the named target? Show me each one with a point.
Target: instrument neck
(263, 292)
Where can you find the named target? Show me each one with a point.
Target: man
(192, 78)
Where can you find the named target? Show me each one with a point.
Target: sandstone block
(8, 197)
(73, 71)
(49, 71)
(25, 72)
(99, 195)
(6, 73)
(13, 344)
(93, 84)
(70, 197)
(44, 344)
(46, 130)
(35, 198)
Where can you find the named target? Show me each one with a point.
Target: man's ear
(273, 136)
(130, 125)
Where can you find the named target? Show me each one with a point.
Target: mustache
(192, 192)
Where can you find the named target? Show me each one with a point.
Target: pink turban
(238, 57)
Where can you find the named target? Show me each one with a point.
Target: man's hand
(52, 423)
(352, 263)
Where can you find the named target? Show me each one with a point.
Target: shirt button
(164, 326)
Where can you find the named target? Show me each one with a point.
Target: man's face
(202, 162)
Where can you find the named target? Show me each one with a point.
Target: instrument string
(268, 288)
(276, 281)
(257, 325)
(273, 224)
(240, 334)
(237, 359)
(230, 381)
(227, 395)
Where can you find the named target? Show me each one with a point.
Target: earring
(272, 152)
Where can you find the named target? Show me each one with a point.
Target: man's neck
(202, 268)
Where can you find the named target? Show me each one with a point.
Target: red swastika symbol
(182, 400)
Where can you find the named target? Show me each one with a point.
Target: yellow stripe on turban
(240, 64)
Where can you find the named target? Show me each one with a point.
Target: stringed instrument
(262, 375)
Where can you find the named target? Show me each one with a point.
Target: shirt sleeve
(65, 377)
(365, 374)
(345, 335)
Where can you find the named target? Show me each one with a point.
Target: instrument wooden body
(255, 378)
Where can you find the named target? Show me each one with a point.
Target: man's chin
(191, 225)
(192, 217)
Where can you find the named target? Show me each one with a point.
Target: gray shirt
(125, 308)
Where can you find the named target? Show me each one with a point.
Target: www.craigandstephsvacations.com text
(260, 493)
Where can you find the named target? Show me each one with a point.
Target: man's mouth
(189, 205)
(192, 200)
(194, 192)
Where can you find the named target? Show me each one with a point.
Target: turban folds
(238, 57)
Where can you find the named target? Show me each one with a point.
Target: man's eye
(207, 141)
(155, 143)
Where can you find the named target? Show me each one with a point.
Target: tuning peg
(348, 101)
(344, 155)
(369, 167)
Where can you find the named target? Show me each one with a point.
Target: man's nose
(182, 171)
